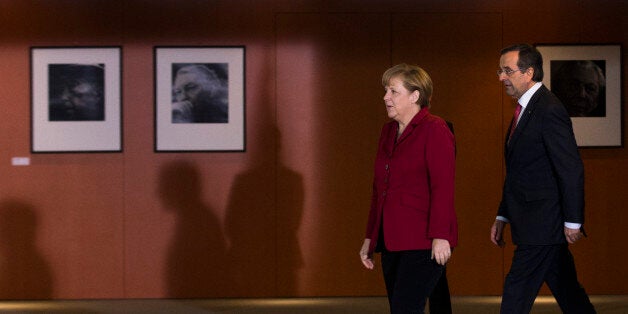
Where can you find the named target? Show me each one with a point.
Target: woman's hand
(441, 251)
(367, 259)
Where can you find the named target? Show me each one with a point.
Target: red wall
(286, 217)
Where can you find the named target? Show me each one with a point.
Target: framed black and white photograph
(199, 99)
(587, 80)
(76, 99)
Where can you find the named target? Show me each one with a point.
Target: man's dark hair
(528, 57)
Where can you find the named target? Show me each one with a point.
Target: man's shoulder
(543, 92)
(544, 98)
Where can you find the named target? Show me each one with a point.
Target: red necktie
(514, 120)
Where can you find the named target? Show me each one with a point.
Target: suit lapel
(523, 121)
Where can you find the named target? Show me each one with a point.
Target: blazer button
(386, 167)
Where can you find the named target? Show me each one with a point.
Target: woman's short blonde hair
(413, 78)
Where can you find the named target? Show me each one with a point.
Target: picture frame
(587, 79)
(200, 99)
(76, 99)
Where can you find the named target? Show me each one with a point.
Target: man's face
(82, 101)
(579, 91)
(519, 80)
(190, 86)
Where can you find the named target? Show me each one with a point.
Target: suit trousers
(534, 264)
(410, 277)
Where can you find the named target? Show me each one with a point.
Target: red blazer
(413, 185)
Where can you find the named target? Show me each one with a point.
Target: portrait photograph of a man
(581, 86)
(586, 78)
(76, 103)
(200, 93)
(76, 92)
(199, 98)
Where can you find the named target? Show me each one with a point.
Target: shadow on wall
(24, 274)
(262, 221)
(197, 265)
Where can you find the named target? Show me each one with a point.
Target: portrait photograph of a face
(200, 93)
(199, 99)
(76, 99)
(587, 80)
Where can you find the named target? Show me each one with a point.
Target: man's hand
(573, 235)
(182, 112)
(497, 233)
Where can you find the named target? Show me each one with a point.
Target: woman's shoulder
(435, 120)
(438, 123)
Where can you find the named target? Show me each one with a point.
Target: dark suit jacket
(544, 185)
(413, 185)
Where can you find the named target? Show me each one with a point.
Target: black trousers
(553, 264)
(440, 300)
(410, 278)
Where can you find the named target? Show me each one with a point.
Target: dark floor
(615, 304)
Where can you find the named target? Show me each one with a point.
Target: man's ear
(530, 71)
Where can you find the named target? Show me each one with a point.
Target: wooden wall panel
(71, 205)
(462, 66)
(286, 217)
(330, 112)
(597, 257)
(213, 236)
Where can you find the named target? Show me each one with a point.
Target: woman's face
(400, 103)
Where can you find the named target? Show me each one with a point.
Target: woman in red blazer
(412, 221)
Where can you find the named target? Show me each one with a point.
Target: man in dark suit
(543, 193)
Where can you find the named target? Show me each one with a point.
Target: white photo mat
(200, 137)
(49, 136)
(593, 131)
